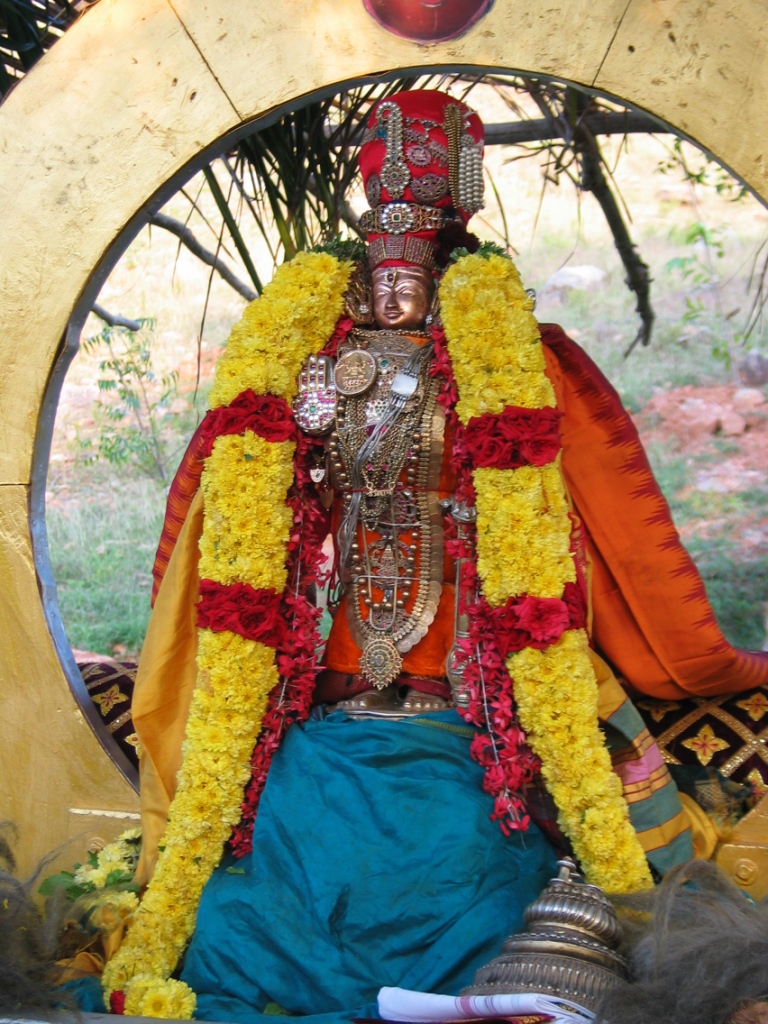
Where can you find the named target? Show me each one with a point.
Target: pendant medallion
(381, 662)
(355, 372)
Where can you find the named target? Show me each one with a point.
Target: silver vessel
(568, 948)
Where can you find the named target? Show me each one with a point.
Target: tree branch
(114, 321)
(514, 133)
(593, 180)
(188, 239)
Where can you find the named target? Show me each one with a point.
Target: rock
(578, 279)
(726, 478)
(754, 369)
(694, 333)
(697, 417)
(732, 424)
(747, 398)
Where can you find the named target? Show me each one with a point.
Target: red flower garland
(266, 415)
(343, 327)
(289, 702)
(510, 766)
(441, 367)
(516, 437)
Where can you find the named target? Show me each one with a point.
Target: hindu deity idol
(327, 813)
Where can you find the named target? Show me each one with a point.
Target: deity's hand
(315, 404)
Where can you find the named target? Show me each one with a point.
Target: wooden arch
(118, 110)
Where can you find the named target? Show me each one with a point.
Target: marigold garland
(524, 547)
(148, 997)
(493, 338)
(523, 532)
(294, 317)
(247, 539)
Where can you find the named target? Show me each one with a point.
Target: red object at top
(423, 112)
(422, 152)
(428, 21)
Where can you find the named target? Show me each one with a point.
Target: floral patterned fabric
(110, 687)
(727, 732)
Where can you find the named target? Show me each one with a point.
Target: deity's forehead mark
(390, 277)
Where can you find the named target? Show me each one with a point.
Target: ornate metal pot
(568, 948)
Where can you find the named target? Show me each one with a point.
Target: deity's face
(402, 296)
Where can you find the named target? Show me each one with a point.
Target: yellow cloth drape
(165, 682)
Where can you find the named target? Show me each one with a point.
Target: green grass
(666, 363)
(737, 584)
(737, 590)
(102, 546)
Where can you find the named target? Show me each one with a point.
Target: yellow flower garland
(493, 338)
(523, 538)
(294, 317)
(246, 527)
(524, 533)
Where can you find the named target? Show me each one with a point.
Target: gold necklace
(368, 332)
(398, 543)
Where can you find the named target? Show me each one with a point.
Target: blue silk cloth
(374, 863)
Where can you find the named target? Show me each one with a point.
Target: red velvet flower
(527, 621)
(117, 1002)
(544, 618)
(266, 415)
(241, 609)
(515, 437)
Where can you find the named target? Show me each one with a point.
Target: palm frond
(27, 29)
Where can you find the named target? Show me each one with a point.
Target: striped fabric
(654, 805)
(180, 495)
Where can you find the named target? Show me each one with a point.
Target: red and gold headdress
(422, 167)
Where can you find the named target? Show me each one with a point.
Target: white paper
(400, 1004)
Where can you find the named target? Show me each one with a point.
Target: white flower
(84, 875)
(129, 834)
